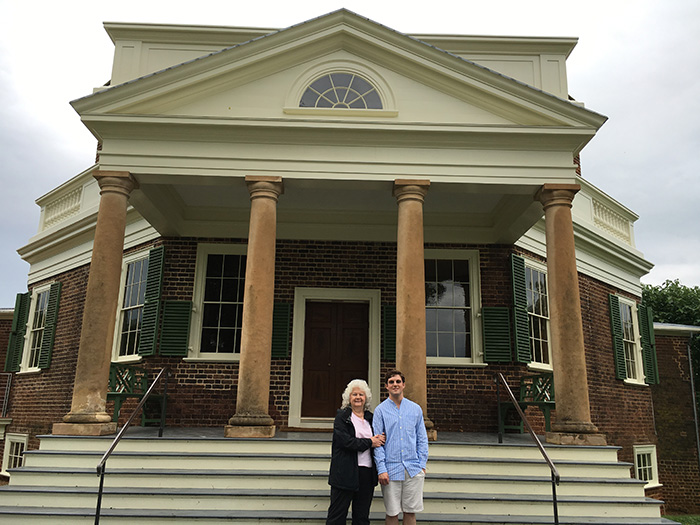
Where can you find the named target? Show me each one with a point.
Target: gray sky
(637, 61)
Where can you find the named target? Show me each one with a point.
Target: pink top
(362, 430)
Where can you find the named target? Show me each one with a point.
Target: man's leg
(409, 518)
(392, 520)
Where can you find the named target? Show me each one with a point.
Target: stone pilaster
(573, 415)
(88, 415)
(410, 293)
(251, 418)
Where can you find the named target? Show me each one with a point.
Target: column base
(250, 425)
(572, 438)
(235, 431)
(84, 429)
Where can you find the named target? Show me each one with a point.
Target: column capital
(115, 182)
(411, 189)
(262, 186)
(557, 194)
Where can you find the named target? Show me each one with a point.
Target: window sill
(633, 382)
(29, 371)
(540, 367)
(654, 485)
(129, 360)
(212, 359)
(453, 362)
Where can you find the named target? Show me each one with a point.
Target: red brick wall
(204, 394)
(677, 452)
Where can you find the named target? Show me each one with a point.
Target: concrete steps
(284, 480)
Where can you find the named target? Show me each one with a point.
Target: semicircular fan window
(341, 91)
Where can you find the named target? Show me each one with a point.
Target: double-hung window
(645, 465)
(218, 312)
(633, 341)
(35, 328)
(13, 456)
(538, 312)
(130, 310)
(451, 304)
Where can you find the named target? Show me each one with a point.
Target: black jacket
(344, 470)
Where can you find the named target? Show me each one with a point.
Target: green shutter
(646, 329)
(521, 322)
(19, 328)
(389, 331)
(618, 343)
(175, 332)
(49, 326)
(281, 316)
(148, 337)
(496, 324)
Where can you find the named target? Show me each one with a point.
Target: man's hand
(378, 440)
(384, 478)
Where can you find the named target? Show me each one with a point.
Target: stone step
(233, 479)
(70, 516)
(311, 500)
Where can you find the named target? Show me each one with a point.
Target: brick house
(275, 212)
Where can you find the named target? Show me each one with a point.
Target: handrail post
(498, 409)
(101, 471)
(164, 403)
(554, 499)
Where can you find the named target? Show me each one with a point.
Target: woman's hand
(378, 440)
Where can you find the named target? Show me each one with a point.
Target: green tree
(675, 303)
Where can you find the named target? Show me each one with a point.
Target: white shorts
(404, 496)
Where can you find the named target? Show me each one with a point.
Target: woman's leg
(338, 510)
(362, 501)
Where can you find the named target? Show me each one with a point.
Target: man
(402, 460)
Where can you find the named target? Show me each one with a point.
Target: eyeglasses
(394, 382)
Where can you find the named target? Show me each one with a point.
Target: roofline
(675, 329)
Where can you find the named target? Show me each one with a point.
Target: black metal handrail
(102, 465)
(555, 473)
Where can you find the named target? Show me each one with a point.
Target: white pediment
(258, 80)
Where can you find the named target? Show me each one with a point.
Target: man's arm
(421, 441)
(379, 452)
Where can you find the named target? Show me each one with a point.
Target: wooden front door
(336, 351)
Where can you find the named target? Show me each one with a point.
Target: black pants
(361, 501)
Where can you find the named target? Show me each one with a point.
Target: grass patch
(685, 520)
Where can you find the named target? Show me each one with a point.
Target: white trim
(204, 249)
(23, 366)
(538, 365)
(12, 438)
(301, 296)
(472, 256)
(651, 450)
(126, 260)
(638, 357)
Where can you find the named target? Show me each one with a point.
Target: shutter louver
(617, 337)
(521, 322)
(175, 333)
(496, 325)
(47, 338)
(15, 345)
(148, 338)
(281, 316)
(389, 332)
(646, 329)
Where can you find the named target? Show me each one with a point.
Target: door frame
(301, 296)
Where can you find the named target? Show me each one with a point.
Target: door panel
(336, 351)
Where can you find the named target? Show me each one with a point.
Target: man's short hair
(392, 373)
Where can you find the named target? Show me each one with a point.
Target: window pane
(431, 320)
(430, 270)
(445, 320)
(215, 265)
(229, 290)
(446, 345)
(431, 344)
(461, 271)
(461, 349)
(444, 270)
(211, 315)
(431, 294)
(212, 290)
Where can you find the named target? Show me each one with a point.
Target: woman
(353, 474)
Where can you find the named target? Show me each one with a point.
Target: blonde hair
(362, 385)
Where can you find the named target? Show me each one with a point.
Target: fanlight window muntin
(341, 90)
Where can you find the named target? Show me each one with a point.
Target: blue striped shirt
(406, 444)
